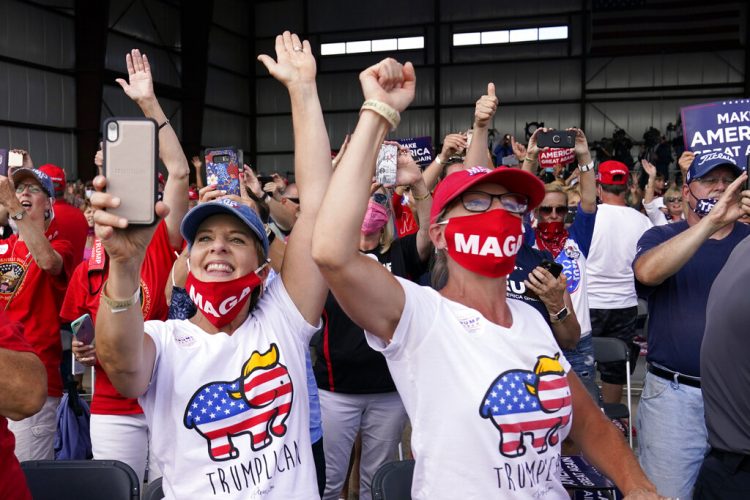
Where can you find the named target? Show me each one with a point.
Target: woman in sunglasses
(488, 392)
(661, 210)
(357, 393)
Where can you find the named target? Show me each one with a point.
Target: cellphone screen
(15, 159)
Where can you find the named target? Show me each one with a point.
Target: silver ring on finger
(298, 49)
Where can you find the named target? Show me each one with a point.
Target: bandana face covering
(375, 218)
(221, 301)
(485, 243)
(551, 236)
(704, 205)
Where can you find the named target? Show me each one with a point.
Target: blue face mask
(703, 205)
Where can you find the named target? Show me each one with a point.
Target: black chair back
(392, 481)
(153, 490)
(81, 480)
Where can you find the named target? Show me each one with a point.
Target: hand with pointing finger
(486, 107)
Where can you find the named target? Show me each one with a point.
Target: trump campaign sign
(722, 126)
(420, 147)
(556, 156)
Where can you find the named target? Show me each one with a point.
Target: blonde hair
(387, 236)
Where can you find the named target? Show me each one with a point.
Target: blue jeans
(581, 359)
(672, 436)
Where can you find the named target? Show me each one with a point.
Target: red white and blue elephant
(257, 403)
(529, 407)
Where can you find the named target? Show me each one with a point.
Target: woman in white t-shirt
(224, 393)
(489, 395)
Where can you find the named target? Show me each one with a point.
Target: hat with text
(703, 164)
(513, 179)
(613, 173)
(195, 217)
(42, 178)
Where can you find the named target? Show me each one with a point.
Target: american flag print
(529, 407)
(257, 403)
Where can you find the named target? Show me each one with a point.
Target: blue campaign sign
(722, 126)
(420, 147)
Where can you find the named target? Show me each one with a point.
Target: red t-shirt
(12, 480)
(404, 218)
(35, 299)
(72, 226)
(83, 297)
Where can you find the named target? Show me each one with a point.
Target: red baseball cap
(514, 179)
(613, 173)
(56, 174)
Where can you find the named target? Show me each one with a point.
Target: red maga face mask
(551, 236)
(221, 301)
(485, 243)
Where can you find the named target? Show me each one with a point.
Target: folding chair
(612, 350)
(81, 480)
(153, 490)
(392, 481)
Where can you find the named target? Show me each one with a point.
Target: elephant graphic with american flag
(529, 408)
(257, 403)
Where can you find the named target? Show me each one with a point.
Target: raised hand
(123, 243)
(686, 159)
(407, 170)
(452, 145)
(294, 64)
(532, 150)
(583, 154)
(251, 181)
(486, 107)
(649, 168)
(390, 82)
(730, 206)
(140, 85)
(519, 150)
(197, 163)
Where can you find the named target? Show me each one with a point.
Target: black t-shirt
(344, 362)
(527, 259)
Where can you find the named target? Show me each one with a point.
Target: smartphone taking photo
(223, 168)
(553, 267)
(564, 139)
(385, 171)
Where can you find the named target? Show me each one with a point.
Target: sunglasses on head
(558, 210)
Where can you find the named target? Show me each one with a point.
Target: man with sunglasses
(612, 299)
(35, 265)
(675, 268)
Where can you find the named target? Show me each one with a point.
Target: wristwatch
(20, 215)
(560, 316)
(587, 167)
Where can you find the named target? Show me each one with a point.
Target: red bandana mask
(221, 301)
(551, 236)
(485, 243)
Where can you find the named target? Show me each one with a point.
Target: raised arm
(124, 350)
(588, 178)
(648, 194)
(368, 293)
(485, 109)
(295, 68)
(140, 89)
(452, 144)
(531, 162)
(409, 174)
(661, 262)
(45, 256)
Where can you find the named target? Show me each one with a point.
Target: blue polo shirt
(677, 307)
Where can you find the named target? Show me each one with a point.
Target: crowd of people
(246, 344)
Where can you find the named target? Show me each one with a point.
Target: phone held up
(553, 267)
(556, 139)
(385, 171)
(130, 154)
(4, 162)
(223, 168)
(83, 329)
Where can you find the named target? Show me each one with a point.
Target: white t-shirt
(610, 261)
(574, 267)
(462, 379)
(225, 421)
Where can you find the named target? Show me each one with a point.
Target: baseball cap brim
(513, 179)
(195, 217)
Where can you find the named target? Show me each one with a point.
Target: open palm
(140, 84)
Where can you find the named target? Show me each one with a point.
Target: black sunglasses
(559, 210)
(295, 200)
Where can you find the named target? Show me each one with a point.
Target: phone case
(386, 165)
(223, 168)
(83, 329)
(15, 159)
(566, 139)
(130, 167)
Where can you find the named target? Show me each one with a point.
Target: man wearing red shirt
(34, 269)
(23, 389)
(70, 220)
